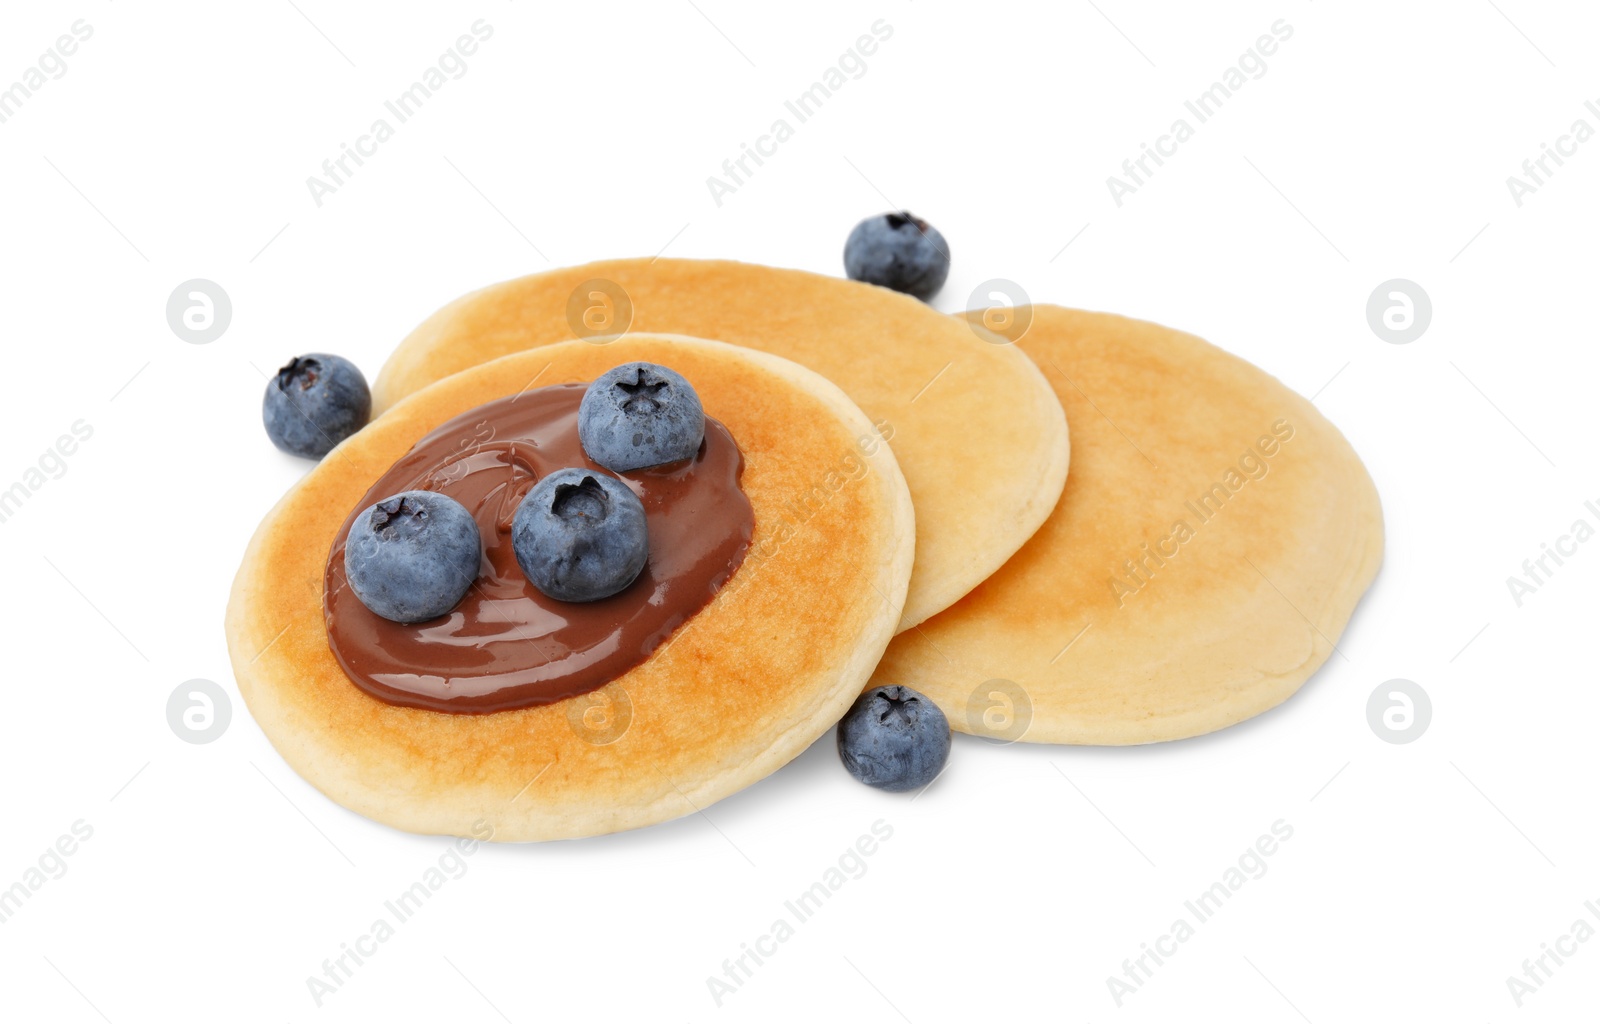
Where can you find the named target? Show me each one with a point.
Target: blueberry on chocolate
(411, 556)
(639, 415)
(580, 535)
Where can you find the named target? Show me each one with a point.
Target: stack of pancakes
(1196, 565)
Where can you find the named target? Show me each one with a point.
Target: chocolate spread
(506, 645)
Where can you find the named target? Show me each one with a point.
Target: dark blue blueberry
(894, 738)
(899, 251)
(580, 535)
(639, 415)
(412, 555)
(315, 402)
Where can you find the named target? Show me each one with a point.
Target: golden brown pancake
(974, 427)
(1210, 546)
(733, 695)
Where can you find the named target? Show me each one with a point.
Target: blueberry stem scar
(585, 498)
(640, 391)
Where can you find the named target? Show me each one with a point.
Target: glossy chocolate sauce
(506, 645)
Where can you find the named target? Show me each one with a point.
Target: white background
(1377, 146)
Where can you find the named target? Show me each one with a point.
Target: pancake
(1187, 579)
(958, 408)
(739, 690)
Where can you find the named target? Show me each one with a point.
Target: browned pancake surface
(736, 693)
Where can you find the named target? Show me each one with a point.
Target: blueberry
(894, 738)
(638, 415)
(899, 251)
(412, 556)
(315, 402)
(580, 535)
